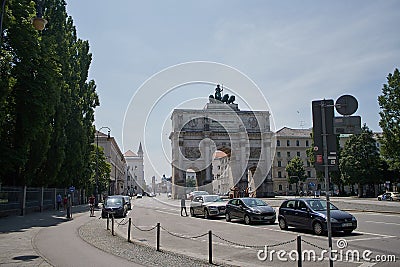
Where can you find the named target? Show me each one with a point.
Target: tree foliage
(360, 162)
(389, 103)
(46, 101)
(295, 170)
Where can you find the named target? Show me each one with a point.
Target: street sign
(347, 125)
(346, 105)
(72, 189)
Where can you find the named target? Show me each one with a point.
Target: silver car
(207, 206)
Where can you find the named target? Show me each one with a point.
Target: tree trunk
(360, 189)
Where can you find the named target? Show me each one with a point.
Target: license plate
(347, 224)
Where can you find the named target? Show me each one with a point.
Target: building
(289, 144)
(115, 157)
(136, 171)
(222, 173)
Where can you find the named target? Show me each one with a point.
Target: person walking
(59, 199)
(183, 205)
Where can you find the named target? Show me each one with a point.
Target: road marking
(376, 214)
(383, 222)
(367, 264)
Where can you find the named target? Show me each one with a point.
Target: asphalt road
(239, 244)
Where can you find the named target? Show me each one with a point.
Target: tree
(296, 172)
(46, 101)
(99, 169)
(389, 102)
(360, 162)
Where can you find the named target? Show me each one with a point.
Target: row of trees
(361, 162)
(46, 101)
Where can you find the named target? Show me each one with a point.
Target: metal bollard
(300, 260)
(158, 236)
(210, 247)
(112, 224)
(129, 230)
(108, 221)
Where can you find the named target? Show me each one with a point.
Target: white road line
(375, 214)
(383, 222)
(367, 264)
(368, 238)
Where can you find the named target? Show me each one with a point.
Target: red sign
(319, 159)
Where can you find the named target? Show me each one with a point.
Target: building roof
(289, 132)
(130, 153)
(219, 154)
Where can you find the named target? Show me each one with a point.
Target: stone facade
(135, 177)
(245, 136)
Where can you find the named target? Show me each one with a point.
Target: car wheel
(317, 227)
(227, 217)
(192, 212)
(206, 214)
(348, 231)
(391, 199)
(247, 219)
(282, 224)
(379, 199)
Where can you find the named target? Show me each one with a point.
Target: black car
(310, 213)
(114, 205)
(250, 210)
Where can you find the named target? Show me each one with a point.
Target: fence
(23, 200)
(298, 254)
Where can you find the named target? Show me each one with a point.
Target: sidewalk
(18, 232)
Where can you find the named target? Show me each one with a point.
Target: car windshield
(212, 199)
(114, 201)
(254, 202)
(198, 193)
(320, 205)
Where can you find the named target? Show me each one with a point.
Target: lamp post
(97, 162)
(38, 22)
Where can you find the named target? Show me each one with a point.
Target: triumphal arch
(244, 136)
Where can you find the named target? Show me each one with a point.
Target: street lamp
(97, 161)
(38, 22)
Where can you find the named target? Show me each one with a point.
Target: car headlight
(334, 220)
(353, 219)
(212, 207)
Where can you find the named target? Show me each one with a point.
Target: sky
(292, 52)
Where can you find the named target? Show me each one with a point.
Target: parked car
(197, 193)
(138, 195)
(250, 210)
(115, 205)
(391, 196)
(310, 213)
(207, 205)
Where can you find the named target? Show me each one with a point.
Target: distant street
(238, 243)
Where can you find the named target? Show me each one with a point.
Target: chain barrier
(145, 230)
(253, 246)
(121, 222)
(183, 236)
(313, 245)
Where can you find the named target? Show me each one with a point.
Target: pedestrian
(65, 200)
(59, 199)
(183, 205)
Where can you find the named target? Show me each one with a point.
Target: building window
(307, 143)
(279, 163)
(308, 164)
(309, 173)
(279, 174)
(288, 154)
(278, 154)
(298, 154)
(280, 187)
(290, 187)
(287, 142)
(297, 143)
(278, 142)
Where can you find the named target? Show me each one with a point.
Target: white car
(391, 196)
(207, 205)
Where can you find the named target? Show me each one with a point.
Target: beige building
(289, 144)
(135, 167)
(222, 173)
(115, 157)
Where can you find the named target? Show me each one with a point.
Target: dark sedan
(250, 210)
(311, 214)
(114, 205)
